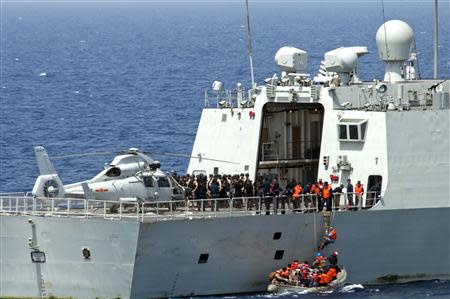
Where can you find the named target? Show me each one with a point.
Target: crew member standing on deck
(296, 197)
(326, 197)
(267, 196)
(337, 192)
(359, 191)
(350, 194)
(248, 191)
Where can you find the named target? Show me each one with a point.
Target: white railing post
(68, 207)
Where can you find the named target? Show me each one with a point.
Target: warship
(392, 132)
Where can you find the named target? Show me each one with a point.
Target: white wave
(43, 74)
(16, 59)
(351, 288)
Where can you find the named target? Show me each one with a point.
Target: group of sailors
(323, 271)
(266, 191)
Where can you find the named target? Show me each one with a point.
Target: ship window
(224, 117)
(203, 259)
(342, 132)
(163, 182)
(216, 171)
(363, 130)
(352, 130)
(278, 255)
(148, 181)
(38, 257)
(277, 235)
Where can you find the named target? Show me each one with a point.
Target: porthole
(277, 235)
(86, 253)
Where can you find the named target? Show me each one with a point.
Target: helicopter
(131, 176)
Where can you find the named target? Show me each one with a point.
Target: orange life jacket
(312, 189)
(324, 278)
(317, 190)
(332, 234)
(326, 192)
(297, 191)
(359, 189)
(331, 273)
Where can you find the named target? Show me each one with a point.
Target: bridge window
(352, 130)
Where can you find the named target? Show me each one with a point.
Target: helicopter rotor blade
(81, 155)
(196, 157)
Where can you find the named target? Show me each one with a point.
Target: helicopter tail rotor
(48, 185)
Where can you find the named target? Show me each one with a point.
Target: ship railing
(236, 98)
(183, 209)
(69, 207)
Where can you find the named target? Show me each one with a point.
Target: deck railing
(180, 209)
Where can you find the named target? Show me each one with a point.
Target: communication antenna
(385, 34)
(249, 37)
(435, 39)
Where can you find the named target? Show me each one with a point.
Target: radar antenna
(435, 39)
(249, 37)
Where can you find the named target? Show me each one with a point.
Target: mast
(435, 39)
(249, 37)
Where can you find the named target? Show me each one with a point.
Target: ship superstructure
(393, 132)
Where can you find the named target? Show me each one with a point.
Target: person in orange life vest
(327, 196)
(285, 273)
(329, 238)
(296, 197)
(318, 197)
(359, 191)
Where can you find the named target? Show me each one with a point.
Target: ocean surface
(82, 77)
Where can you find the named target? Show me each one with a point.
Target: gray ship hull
(143, 260)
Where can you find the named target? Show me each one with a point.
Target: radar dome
(291, 60)
(395, 41)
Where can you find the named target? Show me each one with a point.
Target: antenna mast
(249, 37)
(435, 39)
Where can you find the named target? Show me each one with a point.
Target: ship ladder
(327, 218)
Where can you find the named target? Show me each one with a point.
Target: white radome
(397, 38)
(291, 60)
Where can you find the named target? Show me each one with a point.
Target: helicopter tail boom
(48, 183)
(43, 161)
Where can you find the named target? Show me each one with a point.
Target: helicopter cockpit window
(113, 172)
(148, 182)
(163, 182)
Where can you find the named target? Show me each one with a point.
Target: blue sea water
(84, 76)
